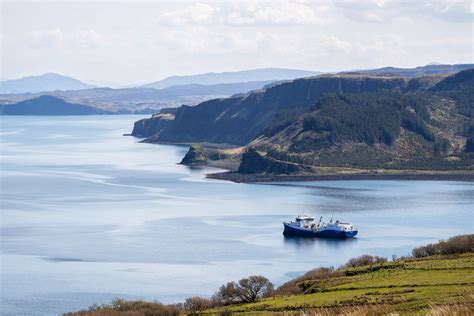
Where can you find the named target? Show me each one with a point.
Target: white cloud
(276, 13)
(147, 41)
(453, 10)
(387, 10)
(57, 38)
(250, 12)
(198, 13)
(46, 38)
(87, 38)
(334, 43)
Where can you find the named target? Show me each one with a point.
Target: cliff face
(154, 125)
(238, 120)
(195, 155)
(348, 121)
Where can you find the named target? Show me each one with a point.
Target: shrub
(227, 294)
(454, 245)
(299, 286)
(247, 290)
(363, 260)
(135, 308)
(254, 288)
(196, 304)
(321, 273)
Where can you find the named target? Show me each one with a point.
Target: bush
(227, 294)
(321, 273)
(247, 290)
(454, 245)
(299, 286)
(196, 304)
(363, 260)
(135, 308)
(254, 288)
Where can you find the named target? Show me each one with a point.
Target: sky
(129, 42)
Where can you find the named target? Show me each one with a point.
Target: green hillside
(316, 126)
(437, 279)
(407, 286)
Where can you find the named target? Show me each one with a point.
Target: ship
(304, 226)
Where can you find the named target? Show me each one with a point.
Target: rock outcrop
(154, 125)
(254, 162)
(198, 154)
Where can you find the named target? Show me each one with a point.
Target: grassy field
(436, 279)
(414, 286)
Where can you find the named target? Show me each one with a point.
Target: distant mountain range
(54, 82)
(178, 90)
(142, 100)
(264, 74)
(42, 83)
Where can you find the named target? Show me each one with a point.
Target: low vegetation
(364, 260)
(130, 308)
(437, 279)
(247, 290)
(454, 245)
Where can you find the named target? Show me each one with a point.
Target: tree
(228, 294)
(247, 290)
(254, 287)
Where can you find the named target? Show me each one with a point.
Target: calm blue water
(88, 215)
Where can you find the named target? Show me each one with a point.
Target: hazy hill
(435, 69)
(49, 105)
(150, 94)
(265, 74)
(42, 83)
(143, 100)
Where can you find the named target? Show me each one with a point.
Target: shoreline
(260, 178)
(229, 171)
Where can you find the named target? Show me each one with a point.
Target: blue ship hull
(294, 231)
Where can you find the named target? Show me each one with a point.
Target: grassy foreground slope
(437, 279)
(405, 287)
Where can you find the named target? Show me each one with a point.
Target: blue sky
(132, 42)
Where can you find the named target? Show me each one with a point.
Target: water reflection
(301, 243)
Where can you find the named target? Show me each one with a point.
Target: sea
(88, 215)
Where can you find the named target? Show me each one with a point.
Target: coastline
(230, 167)
(262, 178)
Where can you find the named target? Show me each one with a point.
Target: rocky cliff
(238, 120)
(348, 121)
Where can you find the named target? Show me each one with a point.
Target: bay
(88, 215)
